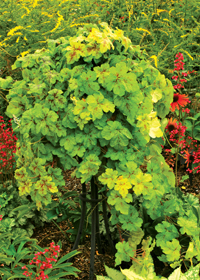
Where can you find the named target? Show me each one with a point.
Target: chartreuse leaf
(177, 275)
(56, 175)
(102, 72)
(124, 252)
(25, 187)
(94, 107)
(101, 38)
(21, 174)
(192, 273)
(188, 224)
(128, 105)
(131, 222)
(155, 125)
(45, 184)
(81, 112)
(171, 249)
(6, 83)
(128, 169)
(45, 120)
(142, 183)
(114, 274)
(105, 43)
(116, 133)
(55, 99)
(121, 205)
(109, 178)
(89, 167)
(97, 104)
(17, 106)
(114, 79)
(71, 144)
(120, 81)
(131, 275)
(37, 167)
(122, 186)
(191, 251)
(37, 88)
(166, 231)
(156, 95)
(149, 126)
(68, 142)
(87, 82)
(75, 51)
(113, 197)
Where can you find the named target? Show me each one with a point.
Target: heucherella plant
(130, 274)
(94, 102)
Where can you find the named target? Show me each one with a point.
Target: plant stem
(176, 166)
(61, 230)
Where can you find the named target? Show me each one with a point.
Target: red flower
(179, 100)
(172, 125)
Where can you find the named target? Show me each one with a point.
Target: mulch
(50, 232)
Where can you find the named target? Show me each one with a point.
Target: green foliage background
(162, 28)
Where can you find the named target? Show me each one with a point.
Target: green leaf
(66, 257)
(114, 274)
(196, 134)
(89, 167)
(6, 83)
(109, 178)
(122, 207)
(177, 275)
(192, 273)
(131, 275)
(5, 258)
(17, 275)
(117, 134)
(103, 277)
(188, 225)
(172, 250)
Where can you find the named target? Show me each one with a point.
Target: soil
(50, 232)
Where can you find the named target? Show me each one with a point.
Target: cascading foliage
(95, 96)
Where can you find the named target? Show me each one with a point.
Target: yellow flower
(12, 31)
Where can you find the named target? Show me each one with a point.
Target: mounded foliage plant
(94, 102)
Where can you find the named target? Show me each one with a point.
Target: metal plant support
(95, 234)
